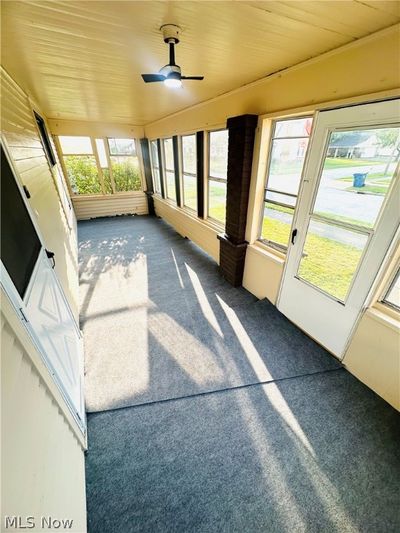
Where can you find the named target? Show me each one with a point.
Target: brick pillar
(144, 145)
(240, 156)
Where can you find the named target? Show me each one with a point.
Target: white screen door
(30, 282)
(348, 214)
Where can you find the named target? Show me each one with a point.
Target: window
(217, 174)
(109, 186)
(189, 171)
(169, 169)
(80, 164)
(287, 154)
(100, 166)
(392, 296)
(155, 166)
(45, 140)
(124, 165)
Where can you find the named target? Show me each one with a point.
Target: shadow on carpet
(312, 454)
(160, 322)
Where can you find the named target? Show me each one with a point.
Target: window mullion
(107, 149)
(99, 169)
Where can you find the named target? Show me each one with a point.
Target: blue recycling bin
(359, 179)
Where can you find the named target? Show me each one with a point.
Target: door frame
(306, 200)
(19, 304)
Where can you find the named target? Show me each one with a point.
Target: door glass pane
(190, 191)
(82, 174)
(330, 257)
(170, 180)
(189, 154)
(358, 169)
(126, 173)
(217, 200)
(218, 154)
(277, 222)
(20, 245)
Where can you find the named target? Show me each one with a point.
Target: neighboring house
(360, 144)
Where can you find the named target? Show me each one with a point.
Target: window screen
(20, 245)
(45, 140)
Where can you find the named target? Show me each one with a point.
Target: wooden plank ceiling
(83, 60)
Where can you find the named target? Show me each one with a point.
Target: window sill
(264, 249)
(94, 197)
(382, 314)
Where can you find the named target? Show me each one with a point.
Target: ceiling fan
(170, 74)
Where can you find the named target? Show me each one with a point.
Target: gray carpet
(159, 321)
(211, 449)
(313, 454)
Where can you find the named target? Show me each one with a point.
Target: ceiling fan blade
(149, 78)
(192, 77)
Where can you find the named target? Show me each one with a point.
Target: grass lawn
(328, 264)
(339, 162)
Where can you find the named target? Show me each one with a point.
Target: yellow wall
(366, 70)
(366, 66)
(42, 448)
(19, 129)
(374, 355)
(42, 462)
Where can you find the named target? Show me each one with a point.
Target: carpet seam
(217, 391)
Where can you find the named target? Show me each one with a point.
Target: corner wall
(102, 205)
(42, 459)
(42, 462)
(356, 73)
(19, 129)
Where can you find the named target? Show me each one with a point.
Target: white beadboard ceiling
(83, 60)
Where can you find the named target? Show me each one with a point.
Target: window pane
(101, 150)
(82, 174)
(169, 154)
(299, 127)
(277, 223)
(154, 153)
(190, 191)
(330, 257)
(393, 295)
(126, 173)
(217, 200)
(122, 146)
(170, 180)
(189, 154)
(286, 164)
(156, 178)
(358, 170)
(218, 154)
(281, 198)
(107, 181)
(75, 145)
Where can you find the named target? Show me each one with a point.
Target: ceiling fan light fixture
(173, 83)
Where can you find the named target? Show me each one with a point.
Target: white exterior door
(30, 282)
(56, 332)
(348, 214)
